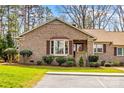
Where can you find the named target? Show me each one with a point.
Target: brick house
(59, 38)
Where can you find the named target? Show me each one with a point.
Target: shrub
(121, 63)
(11, 53)
(1, 61)
(81, 62)
(39, 62)
(94, 64)
(93, 58)
(17, 58)
(70, 61)
(48, 59)
(102, 63)
(25, 53)
(31, 61)
(108, 64)
(116, 63)
(60, 60)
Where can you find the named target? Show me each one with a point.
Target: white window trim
(54, 47)
(96, 48)
(122, 51)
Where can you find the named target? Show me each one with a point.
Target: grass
(27, 76)
(14, 76)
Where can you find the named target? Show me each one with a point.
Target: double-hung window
(59, 47)
(120, 51)
(98, 48)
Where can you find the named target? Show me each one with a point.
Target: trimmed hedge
(60, 60)
(26, 53)
(70, 61)
(93, 58)
(94, 64)
(48, 59)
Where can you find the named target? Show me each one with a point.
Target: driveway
(74, 81)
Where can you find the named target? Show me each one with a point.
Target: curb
(86, 74)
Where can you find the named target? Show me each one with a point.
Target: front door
(78, 47)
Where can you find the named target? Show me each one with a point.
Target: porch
(82, 48)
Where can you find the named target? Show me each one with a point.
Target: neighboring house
(59, 38)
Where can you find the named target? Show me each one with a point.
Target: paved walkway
(120, 68)
(62, 80)
(86, 74)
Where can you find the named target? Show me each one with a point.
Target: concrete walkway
(120, 68)
(86, 74)
(81, 80)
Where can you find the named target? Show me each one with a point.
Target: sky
(54, 9)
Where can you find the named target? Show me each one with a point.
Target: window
(66, 47)
(98, 48)
(120, 51)
(59, 47)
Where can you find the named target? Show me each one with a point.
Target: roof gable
(60, 21)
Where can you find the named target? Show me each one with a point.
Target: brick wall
(36, 39)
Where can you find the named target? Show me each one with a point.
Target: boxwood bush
(70, 61)
(48, 59)
(39, 62)
(108, 64)
(93, 58)
(94, 64)
(60, 60)
(25, 54)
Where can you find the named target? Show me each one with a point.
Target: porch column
(90, 46)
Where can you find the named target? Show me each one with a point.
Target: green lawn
(28, 76)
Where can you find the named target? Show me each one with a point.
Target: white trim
(59, 54)
(122, 51)
(54, 54)
(96, 48)
(93, 48)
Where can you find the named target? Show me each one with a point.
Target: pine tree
(9, 40)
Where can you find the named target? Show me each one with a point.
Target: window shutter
(104, 48)
(70, 47)
(48, 47)
(115, 51)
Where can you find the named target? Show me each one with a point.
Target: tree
(25, 54)
(120, 17)
(9, 40)
(10, 52)
(90, 16)
(2, 45)
(18, 19)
